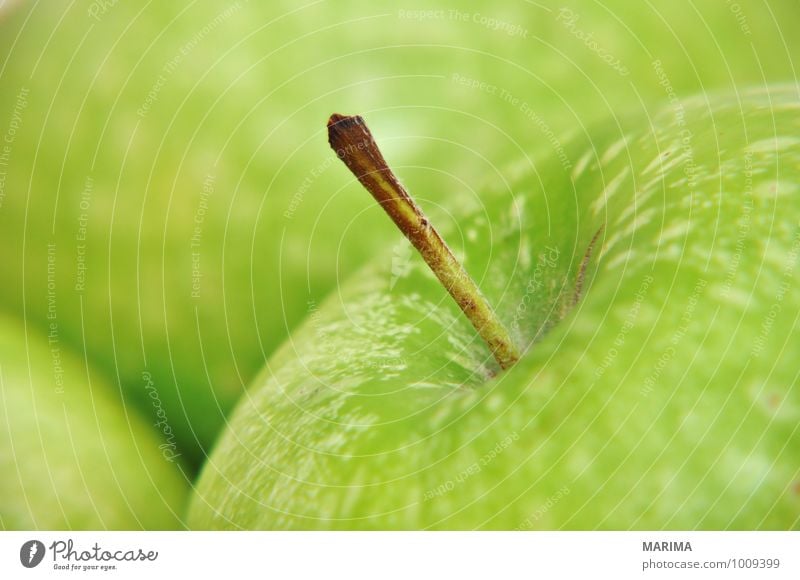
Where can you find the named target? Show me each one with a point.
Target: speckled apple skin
(665, 398)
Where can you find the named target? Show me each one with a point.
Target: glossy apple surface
(71, 456)
(666, 398)
(174, 153)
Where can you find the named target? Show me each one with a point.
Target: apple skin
(666, 398)
(71, 456)
(246, 104)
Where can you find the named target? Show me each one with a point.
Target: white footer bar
(390, 555)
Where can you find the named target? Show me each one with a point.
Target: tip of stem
(338, 122)
(350, 138)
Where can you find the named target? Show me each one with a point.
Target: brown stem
(355, 146)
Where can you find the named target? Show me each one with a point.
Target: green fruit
(666, 398)
(71, 457)
(172, 153)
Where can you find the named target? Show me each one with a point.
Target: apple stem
(353, 143)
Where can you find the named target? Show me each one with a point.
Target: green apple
(71, 457)
(173, 155)
(665, 397)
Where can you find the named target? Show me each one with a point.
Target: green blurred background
(169, 207)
